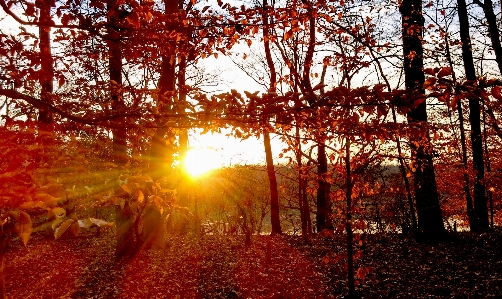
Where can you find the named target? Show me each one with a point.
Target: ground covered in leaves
(390, 266)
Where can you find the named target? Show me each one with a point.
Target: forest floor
(393, 266)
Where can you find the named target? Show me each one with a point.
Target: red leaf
(429, 71)
(429, 84)
(496, 93)
(418, 102)
(288, 34)
(446, 71)
(30, 10)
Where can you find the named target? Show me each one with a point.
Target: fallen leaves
(470, 266)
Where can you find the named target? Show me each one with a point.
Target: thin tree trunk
(323, 189)
(468, 197)
(46, 63)
(480, 209)
(348, 221)
(274, 194)
(402, 168)
(399, 152)
(430, 222)
(488, 167)
(301, 187)
(493, 30)
(322, 212)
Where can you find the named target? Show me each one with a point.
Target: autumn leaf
(429, 83)
(85, 223)
(23, 227)
(446, 71)
(495, 92)
(48, 199)
(75, 229)
(138, 195)
(288, 34)
(56, 213)
(362, 272)
(430, 71)
(56, 223)
(418, 102)
(127, 188)
(62, 228)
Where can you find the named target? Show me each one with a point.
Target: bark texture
(480, 219)
(430, 222)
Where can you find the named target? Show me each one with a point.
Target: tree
(480, 219)
(274, 194)
(430, 221)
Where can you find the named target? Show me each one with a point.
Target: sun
(201, 160)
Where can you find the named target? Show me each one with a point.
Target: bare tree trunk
(493, 30)
(274, 194)
(402, 168)
(46, 63)
(348, 222)
(430, 222)
(303, 204)
(323, 189)
(488, 168)
(480, 208)
(468, 197)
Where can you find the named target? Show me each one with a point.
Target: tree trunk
(115, 72)
(123, 216)
(126, 245)
(183, 137)
(430, 222)
(488, 167)
(402, 168)
(348, 222)
(322, 213)
(493, 30)
(274, 194)
(46, 64)
(480, 209)
(468, 197)
(303, 204)
(162, 151)
(154, 229)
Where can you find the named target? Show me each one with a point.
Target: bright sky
(229, 151)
